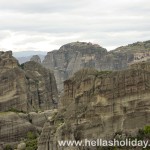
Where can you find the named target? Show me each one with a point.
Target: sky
(46, 25)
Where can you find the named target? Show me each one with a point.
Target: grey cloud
(105, 22)
(39, 6)
(72, 24)
(86, 7)
(106, 40)
(137, 7)
(31, 40)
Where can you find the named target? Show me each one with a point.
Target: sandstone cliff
(96, 103)
(41, 87)
(139, 50)
(72, 57)
(15, 126)
(12, 91)
(99, 104)
(25, 87)
(24, 90)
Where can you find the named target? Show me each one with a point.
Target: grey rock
(13, 128)
(72, 57)
(36, 58)
(26, 87)
(98, 104)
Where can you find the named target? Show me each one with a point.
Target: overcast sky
(48, 24)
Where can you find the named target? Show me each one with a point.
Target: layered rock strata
(26, 87)
(14, 126)
(72, 57)
(98, 105)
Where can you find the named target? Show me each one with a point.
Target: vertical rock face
(36, 58)
(12, 89)
(15, 126)
(77, 55)
(26, 87)
(41, 87)
(74, 56)
(6, 60)
(99, 104)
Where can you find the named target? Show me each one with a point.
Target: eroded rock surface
(26, 87)
(42, 90)
(99, 104)
(14, 126)
(72, 57)
(24, 90)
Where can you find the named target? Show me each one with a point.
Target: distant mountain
(28, 53)
(24, 56)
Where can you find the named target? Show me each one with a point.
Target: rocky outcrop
(26, 87)
(135, 47)
(7, 61)
(72, 57)
(41, 87)
(14, 126)
(24, 56)
(139, 50)
(99, 104)
(36, 58)
(95, 103)
(142, 65)
(12, 89)
(24, 90)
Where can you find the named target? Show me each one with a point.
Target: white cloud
(47, 24)
(4, 34)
